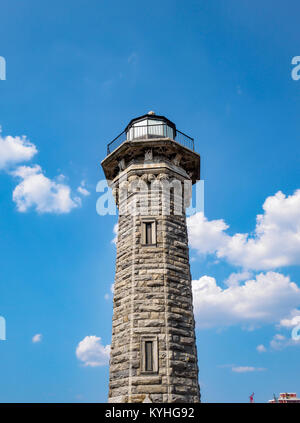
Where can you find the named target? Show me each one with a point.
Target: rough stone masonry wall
(153, 297)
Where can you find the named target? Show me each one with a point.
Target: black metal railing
(150, 132)
(116, 142)
(185, 140)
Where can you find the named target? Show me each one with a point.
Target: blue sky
(77, 72)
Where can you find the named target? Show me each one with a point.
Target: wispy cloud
(242, 369)
(261, 348)
(82, 189)
(115, 231)
(247, 369)
(110, 295)
(235, 278)
(37, 338)
(280, 342)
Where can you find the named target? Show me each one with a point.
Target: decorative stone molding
(177, 159)
(122, 164)
(149, 154)
(163, 177)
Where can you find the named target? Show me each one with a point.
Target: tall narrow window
(148, 232)
(149, 356)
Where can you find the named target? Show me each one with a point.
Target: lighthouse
(151, 167)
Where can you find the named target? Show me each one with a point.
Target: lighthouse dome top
(150, 125)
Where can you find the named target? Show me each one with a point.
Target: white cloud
(15, 150)
(261, 348)
(279, 342)
(247, 369)
(35, 189)
(109, 296)
(115, 231)
(37, 338)
(92, 353)
(235, 278)
(82, 190)
(41, 193)
(292, 320)
(204, 235)
(274, 243)
(266, 299)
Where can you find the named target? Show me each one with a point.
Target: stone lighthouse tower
(151, 167)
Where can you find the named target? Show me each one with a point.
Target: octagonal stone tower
(150, 168)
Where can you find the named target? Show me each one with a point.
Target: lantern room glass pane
(138, 130)
(149, 128)
(169, 132)
(155, 128)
